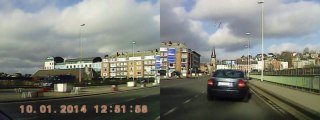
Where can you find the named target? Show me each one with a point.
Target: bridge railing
(294, 72)
(305, 83)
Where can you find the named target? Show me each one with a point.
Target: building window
(105, 69)
(138, 68)
(138, 63)
(139, 73)
(90, 65)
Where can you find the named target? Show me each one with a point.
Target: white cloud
(225, 39)
(280, 19)
(284, 47)
(283, 20)
(53, 31)
(278, 48)
(177, 26)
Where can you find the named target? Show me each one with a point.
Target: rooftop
(136, 54)
(173, 44)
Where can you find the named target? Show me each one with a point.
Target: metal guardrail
(294, 72)
(310, 83)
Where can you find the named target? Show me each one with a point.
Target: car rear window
(228, 74)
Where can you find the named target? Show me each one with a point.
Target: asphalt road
(186, 100)
(149, 97)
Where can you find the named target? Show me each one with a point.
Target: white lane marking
(186, 101)
(202, 92)
(158, 118)
(196, 96)
(170, 111)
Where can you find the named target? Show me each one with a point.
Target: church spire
(213, 54)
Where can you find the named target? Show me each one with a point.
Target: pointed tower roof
(213, 54)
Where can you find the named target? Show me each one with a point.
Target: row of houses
(272, 62)
(171, 57)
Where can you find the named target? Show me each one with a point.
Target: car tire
(247, 97)
(209, 97)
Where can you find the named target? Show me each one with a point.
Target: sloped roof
(74, 72)
(93, 59)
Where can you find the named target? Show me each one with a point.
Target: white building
(284, 65)
(60, 63)
(143, 65)
(222, 67)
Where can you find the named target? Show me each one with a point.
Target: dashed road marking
(186, 101)
(158, 118)
(196, 96)
(170, 111)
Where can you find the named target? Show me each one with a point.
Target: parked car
(49, 81)
(228, 84)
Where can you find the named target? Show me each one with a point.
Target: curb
(77, 96)
(308, 112)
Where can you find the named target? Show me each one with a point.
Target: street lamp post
(262, 56)
(80, 59)
(133, 43)
(248, 61)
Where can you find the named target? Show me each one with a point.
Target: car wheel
(209, 97)
(246, 97)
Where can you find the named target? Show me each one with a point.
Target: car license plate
(225, 84)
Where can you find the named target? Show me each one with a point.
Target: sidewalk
(8, 95)
(307, 101)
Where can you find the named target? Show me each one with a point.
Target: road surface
(186, 100)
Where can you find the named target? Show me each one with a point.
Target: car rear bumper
(229, 93)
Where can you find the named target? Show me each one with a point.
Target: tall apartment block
(125, 65)
(177, 57)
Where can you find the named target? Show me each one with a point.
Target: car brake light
(241, 83)
(210, 82)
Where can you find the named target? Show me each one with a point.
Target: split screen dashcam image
(159, 60)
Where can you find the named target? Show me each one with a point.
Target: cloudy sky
(288, 25)
(32, 30)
